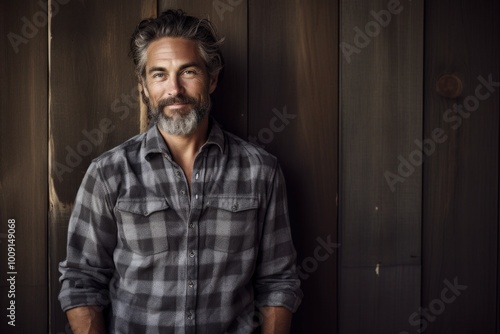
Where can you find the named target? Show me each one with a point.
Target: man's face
(177, 85)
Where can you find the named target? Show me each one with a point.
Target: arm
(89, 265)
(277, 285)
(276, 320)
(86, 320)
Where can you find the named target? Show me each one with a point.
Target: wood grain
(93, 106)
(381, 117)
(293, 70)
(461, 201)
(23, 162)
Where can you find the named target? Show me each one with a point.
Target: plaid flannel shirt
(164, 259)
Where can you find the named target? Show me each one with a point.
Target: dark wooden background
(356, 117)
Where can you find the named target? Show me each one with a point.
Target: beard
(179, 123)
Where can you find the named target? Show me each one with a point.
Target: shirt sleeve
(276, 280)
(88, 266)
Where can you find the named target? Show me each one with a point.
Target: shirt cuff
(289, 301)
(71, 297)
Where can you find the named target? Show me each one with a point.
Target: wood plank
(230, 18)
(23, 162)
(381, 117)
(461, 178)
(93, 106)
(293, 70)
(379, 290)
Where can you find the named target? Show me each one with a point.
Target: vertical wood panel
(230, 18)
(93, 106)
(23, 162)
(461, 178)
(381, 117)
(293, 70)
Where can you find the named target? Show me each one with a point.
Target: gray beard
(179, 125)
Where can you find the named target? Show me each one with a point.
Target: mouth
(177, 105)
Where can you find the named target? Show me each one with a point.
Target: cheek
(154, 93)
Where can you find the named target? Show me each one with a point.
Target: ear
(213, 83)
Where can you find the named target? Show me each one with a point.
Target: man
(184, 228)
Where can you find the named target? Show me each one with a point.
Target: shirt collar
(154, 142)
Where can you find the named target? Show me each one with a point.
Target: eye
(158, 75)
(189, 73)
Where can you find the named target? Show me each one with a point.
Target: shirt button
(190, 284)
(183, 192)
(191, 253)
(191, 225)
(190, 315)
(178, 174)
(235, 207)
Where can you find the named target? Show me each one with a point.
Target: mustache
(175, 99)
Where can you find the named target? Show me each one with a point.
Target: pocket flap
(142, 207)
(233, 203)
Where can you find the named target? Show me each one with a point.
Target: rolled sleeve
(88, 267)
(277, 282)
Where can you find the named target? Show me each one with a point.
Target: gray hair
(175, 23)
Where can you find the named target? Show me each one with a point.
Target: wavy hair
(176, 23)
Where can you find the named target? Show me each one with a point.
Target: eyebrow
(182, 67)
(156, 69)
(193, 64)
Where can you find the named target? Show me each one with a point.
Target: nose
(174, 86)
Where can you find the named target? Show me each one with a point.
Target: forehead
(173, 51)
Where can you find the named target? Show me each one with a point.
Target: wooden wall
(23, 163)
(419, 203)
(354, 106)
(293, 69)
(381, 116)
(461, 199)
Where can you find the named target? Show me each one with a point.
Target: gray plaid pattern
(167, 260)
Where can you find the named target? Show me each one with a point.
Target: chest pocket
(231, 223)
(143, 225)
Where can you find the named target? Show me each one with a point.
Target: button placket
(196, 195)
